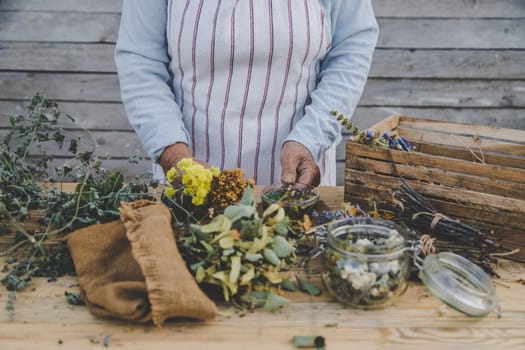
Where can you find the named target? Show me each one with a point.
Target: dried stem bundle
(451, 234)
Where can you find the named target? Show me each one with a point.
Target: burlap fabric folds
(132, 269)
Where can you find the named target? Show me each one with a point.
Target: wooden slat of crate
(398, 121)
(472, 155)
(478, 207)
(458, 136)
(493, 223)
(469, 172)
(444, 127)
(471, 142)
(476, 183)
(512, 174)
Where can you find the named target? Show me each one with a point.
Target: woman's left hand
(298, 165)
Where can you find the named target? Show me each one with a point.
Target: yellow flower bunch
(196, 180)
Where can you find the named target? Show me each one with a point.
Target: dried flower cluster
(196, 180)
(205, 187)
(228, 187)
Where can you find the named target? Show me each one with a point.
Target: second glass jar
(366, 262)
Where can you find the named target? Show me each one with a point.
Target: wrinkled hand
(298, 165)
(173, 154)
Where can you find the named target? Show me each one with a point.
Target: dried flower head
(228, 188)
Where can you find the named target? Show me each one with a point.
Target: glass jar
(366, 262)
(297, 200)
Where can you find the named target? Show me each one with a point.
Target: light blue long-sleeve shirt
(145, 62)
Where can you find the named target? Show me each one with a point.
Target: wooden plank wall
(461, 60)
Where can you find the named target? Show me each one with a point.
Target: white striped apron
(242, 74)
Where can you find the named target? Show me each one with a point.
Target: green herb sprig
(373, 137)
(40, 214)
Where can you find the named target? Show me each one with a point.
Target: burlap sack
(111, 281)
(131, 269)
(172, 289)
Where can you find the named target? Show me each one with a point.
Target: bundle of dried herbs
(449, 234)
(245, 255)
(373, 137)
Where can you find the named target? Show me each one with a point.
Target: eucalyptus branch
(16, 224)
(77, 208)
(96, 199)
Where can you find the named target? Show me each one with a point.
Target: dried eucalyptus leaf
(228, 252)
(219, 223)
(229, 288)
(236, 212)
(254, 299)
(272, 208)
(209, 248)
(264, 240)
(226, 242)
(281, 228)
(282, 248)
(247, 198)
(274, 302)
(201, 236)
(253, 257)
(307, 287)
(200, 274)
(248, 276)
(271, 257)
(275, 277)
(288, 286)
(235, 268)
(278, 217)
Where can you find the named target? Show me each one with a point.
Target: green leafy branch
(24, 167)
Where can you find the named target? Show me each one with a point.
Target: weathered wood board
(469, 172)
(447, 60)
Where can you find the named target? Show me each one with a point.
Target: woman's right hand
(173, 154)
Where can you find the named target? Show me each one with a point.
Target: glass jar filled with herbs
(296, 199)
(366, 262)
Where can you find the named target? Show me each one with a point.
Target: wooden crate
(470, 172)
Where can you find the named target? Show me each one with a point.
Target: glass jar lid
(459, 283)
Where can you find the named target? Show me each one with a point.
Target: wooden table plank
(42, 319)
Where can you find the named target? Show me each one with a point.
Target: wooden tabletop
(43, 319)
